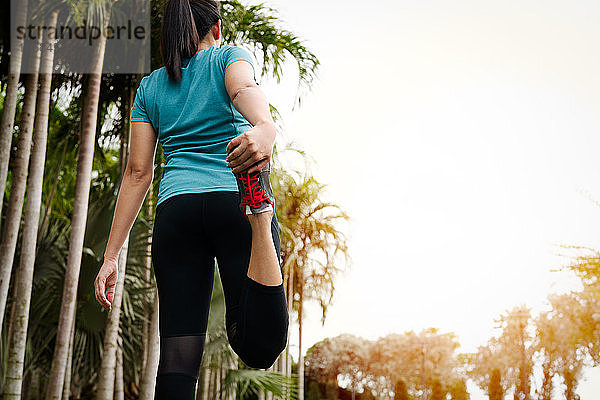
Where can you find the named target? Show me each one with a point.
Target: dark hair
(185, 23)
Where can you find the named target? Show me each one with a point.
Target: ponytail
(185, 23)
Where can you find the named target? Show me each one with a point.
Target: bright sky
(462, 138)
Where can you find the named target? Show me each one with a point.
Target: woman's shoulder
(232, 48)
(226, 47)
(153, 76)
(231, 53)
(149, 83)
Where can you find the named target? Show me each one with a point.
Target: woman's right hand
(107, 276)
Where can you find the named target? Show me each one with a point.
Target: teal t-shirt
(195, 120)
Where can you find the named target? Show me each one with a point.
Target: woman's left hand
(252, 149)
(107, 277)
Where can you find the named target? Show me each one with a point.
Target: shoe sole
(269, 207)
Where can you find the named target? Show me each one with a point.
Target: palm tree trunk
(218, 389)
(109, 369)
(200, 386)
(106, 378)
(11, 294)
(290, 299)
(18, 186)
(210, 387)
(151, 334)
(277, 364)
(209, 384)
(300, 355)
(232, 365)
(119, 382)
(215, 384)
(145, 337)
(220, 380)
(208, 380)
(149, 377)
(282, 358)
(10, 101)
(69, 369)
(80, 208)
(203, 389)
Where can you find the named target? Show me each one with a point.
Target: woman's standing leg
(248, 256)
(184, 270)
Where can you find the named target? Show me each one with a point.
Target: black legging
(190, 230)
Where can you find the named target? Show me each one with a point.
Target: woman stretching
(214, 199)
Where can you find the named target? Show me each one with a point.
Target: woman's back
(194, 119)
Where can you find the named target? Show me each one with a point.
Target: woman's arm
(254, 147)
(137, 179)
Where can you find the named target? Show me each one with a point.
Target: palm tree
(19, 179)
(106, 380)
(309, 236)
(152, 348)
(150, 334)
(24, 277)
(256, 25)
(106, 384)
(84, 169)
(10, 101)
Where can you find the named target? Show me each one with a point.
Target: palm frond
(257, 25)
(250, 382)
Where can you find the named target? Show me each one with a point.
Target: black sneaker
(255, 191)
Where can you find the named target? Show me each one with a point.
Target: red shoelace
(254, 195)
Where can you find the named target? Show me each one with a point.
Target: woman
(214, 199)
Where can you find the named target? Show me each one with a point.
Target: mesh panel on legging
(181, 354)
(179, 366)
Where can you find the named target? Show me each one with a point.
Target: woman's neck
(206, 45)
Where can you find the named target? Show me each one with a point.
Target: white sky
(462, 138)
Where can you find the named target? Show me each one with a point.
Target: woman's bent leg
(184, 270)
(256, 313)
(264, 265)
